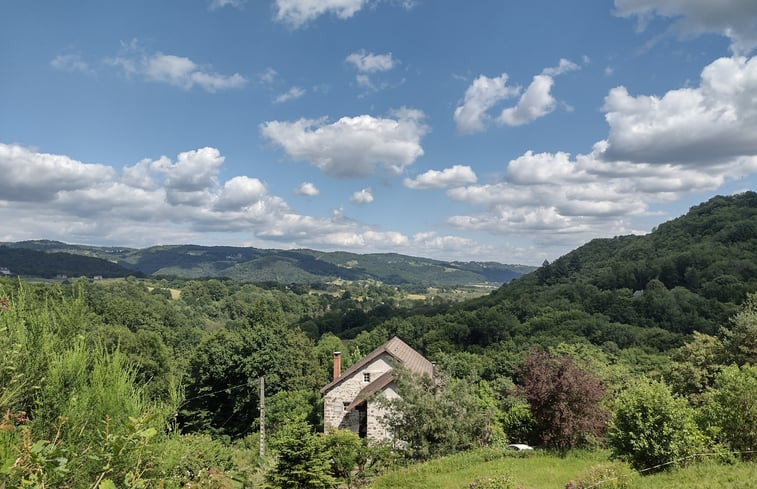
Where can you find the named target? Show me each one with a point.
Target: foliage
(730, 412)
(564, 400)
(610, 475)
(434, 417)
(303, 461)
(503, 482)
(650, 427)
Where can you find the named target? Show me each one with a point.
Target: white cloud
(239, 193)
(484, 93)
(480, 96)
(292, 94)
(267, 76)
(297, 13)
(70, 62)
(216, 4)
(368, 64)
(174, 70)
(705, 125)
(735, 19)
(352, 146)
(308, 189)
(32, 176)
(565, 66)
(362, 197)
(536, 102)
(455, 176)
(371, 63)
(57, 197)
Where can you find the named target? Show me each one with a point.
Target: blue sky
(467, 130)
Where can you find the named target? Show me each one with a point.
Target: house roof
(399, 350)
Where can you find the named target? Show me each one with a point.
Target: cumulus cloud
(291, 94)
(711, 123)
(58, 197)
(70, 62)
(368, 65)
(545, 194)
(297, 13)
(308, 189)
(352, 146)
(536, 102)
(174, 70)
(362, 197)
(564, 66)
(483, 94)
(658, 149)
(32, 176)
(735, 19)
(455, 176)
(216, 4)
(371, 63)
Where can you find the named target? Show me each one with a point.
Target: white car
(519, 447)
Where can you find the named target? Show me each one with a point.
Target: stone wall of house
(377, 429)
(337, 399)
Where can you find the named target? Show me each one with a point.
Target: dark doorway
(362, 413)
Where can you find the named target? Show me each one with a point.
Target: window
(346, 405)
(366, 377)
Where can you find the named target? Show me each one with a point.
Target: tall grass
(550, 471)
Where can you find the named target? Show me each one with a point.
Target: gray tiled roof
(401, 351)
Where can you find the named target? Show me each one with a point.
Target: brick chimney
(337, 364)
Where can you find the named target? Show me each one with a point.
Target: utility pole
(262, 417)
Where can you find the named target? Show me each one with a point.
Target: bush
(730, 412)
(613, 475)
(503, 482)
(651, 427)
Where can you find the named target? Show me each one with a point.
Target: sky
(473, 130)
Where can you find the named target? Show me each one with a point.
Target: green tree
(303, 461)
(650, 426)
(436, 417)
(731, 408)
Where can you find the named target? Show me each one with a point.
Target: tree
(564, 400)
(731, 408)
(434, 418)
(650, 426)
(303, 461)
(349, 456)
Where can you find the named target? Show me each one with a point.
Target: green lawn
(542, 470)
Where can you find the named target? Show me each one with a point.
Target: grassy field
(549, 471)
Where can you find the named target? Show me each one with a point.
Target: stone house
(349, 401)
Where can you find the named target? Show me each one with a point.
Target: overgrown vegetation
(636, 344)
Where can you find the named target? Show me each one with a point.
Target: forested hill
(247, 264)
(19, 261)
(689, 274)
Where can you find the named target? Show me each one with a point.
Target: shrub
(651, 427)
(613, 475)
(730, 412)
(503, 482)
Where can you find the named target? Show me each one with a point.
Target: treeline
(50, 265)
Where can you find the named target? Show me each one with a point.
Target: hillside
(690, 274)
(19, 261)
(247, 264)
